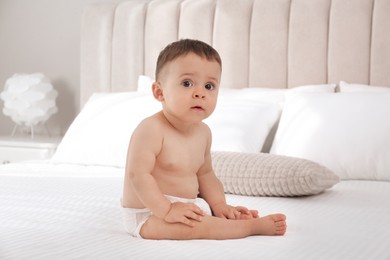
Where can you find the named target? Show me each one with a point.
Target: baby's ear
(157, 91)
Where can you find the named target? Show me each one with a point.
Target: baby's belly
(181, 187)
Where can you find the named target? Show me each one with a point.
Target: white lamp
(29, 99)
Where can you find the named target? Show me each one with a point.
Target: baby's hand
(223, 210)
(226, 211)
(247, 214)
(184, 213)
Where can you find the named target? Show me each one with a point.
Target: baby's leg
(215, 228)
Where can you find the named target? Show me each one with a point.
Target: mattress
(72, 212)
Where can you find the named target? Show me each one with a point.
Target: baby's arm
(237, 212)
(224, 210)
(211, 189)
(144, 146)
(141, 158)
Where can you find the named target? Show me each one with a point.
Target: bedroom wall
(43, 36)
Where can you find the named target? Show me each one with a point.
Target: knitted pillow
(261, 174)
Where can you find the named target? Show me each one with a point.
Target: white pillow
(241, 125)
(314, 88)
(346, 87)
(347, 132)
(267, 96)
(262, 174)
(100, 134)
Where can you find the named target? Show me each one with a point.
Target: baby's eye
(187, 83)
(209, 86)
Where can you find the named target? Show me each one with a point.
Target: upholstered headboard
(263, 43)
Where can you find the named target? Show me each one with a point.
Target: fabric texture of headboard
(263, 43)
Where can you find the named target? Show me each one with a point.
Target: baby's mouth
(197, 108)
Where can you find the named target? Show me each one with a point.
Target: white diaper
(134, 219)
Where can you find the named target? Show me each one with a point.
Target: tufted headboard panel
(263, 43)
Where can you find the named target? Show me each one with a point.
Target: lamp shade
(29, 99)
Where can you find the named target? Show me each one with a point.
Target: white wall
(43, 36)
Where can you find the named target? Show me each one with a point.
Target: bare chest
(184, 155)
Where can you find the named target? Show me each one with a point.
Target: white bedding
(73, 212)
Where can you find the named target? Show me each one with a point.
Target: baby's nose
(199, 93)
(196, 95)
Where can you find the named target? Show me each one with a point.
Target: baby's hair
(182, 48)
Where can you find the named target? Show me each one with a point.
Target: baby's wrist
(164, 213)
(217, 205)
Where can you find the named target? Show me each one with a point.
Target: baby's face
(190, 87)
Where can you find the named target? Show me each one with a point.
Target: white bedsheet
(73, 212)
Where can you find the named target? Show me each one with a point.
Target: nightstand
(16, 148)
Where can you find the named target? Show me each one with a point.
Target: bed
(301, 127)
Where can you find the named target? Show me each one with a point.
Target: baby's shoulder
(151, 122)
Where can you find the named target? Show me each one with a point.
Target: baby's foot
(271, 225)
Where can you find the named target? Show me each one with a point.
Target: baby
(170, 189)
